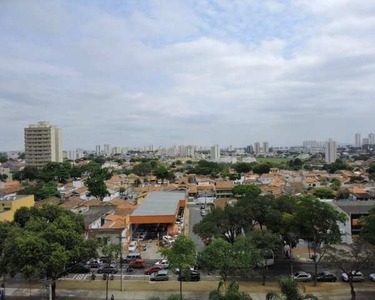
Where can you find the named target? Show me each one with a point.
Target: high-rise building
(330, 151)
(42, 144)
(97, 150)
(313, 144)
(365, 141)
(107, 150)
(265, 147)
(215, 152)
(257, 147)
(371, 138)
(71, 155)
(358, 140)
(249, 149)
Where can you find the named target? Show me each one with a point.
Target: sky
(170, 72)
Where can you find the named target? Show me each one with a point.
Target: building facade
(215, 152)
(257, 147)
(265, 147)
(330, 151)
(358, 140)
(43, 144)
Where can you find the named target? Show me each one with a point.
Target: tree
(231, 293)
(290, 290)
(182, 255)
(342, 193)
(225, 223)
(359, 256)
(46, 244)
(3, 158)
(262, 168)
(97, 187)
(256, 208)
(3, 177)
(368, 229)
(243, 167)
(55, 171)
(28, 173)
(247, 190)
(122, 191)
(48, 190)
(335, 184)
(317, 223)
(324, 193)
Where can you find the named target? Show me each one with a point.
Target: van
(131, 257)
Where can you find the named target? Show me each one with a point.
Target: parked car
(80, 269)
(203, 212)
(107, 269)
(161, 275)
(168, 238)
(164, 263)
(189, 276)
(133, 246)
(302, 276)
(372, 277)
(326, 276)
(130, 257)
(357, 277)
(153, 269)
(138, 263)
(177, 270)
(94, 263)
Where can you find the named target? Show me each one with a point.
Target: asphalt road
(194, 218)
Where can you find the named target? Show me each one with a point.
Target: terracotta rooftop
(72, 203)
(50, 200)
(224, 185)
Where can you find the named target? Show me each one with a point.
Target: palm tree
(290, 290)
(231, 293)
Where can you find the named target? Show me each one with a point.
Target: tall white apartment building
(365, 141)
(265, 147)
(71, 155)
(330, 151)
(257, 147)
(43, 144)
(190, 151)
(371, 138)
(215, 152)
(358, 140)
(107, 150)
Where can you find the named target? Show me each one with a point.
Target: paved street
(194, 218)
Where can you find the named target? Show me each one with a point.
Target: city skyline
(189, 72)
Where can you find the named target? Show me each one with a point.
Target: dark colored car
(107, 269)
(189, 276)
(326, 276)
(80, 269)
(95, 263)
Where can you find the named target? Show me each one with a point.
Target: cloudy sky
(170, 72)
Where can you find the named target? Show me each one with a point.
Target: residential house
(358, 194)
(10, 203)
(224, 189)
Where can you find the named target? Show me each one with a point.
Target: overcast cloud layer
(136, 73)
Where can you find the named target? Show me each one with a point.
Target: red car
(138, 263)
(153, 269)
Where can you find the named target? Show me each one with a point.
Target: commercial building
(249, 149)
(42, 144)
(265, 147)
(358, 140)
(9, 204)
(371, 137)
(215, 152)
(330, 151)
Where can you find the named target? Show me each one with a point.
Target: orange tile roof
(357, 190)
(94, 202)
(193, 189)
(114, 224)
(224, 185)
(72, 203)
(81, 190)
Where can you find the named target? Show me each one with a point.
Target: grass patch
(273, 160)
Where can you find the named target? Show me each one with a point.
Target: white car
(164, 263)
(133, 246)
(372, 277)
(168, 239)
(302, 276)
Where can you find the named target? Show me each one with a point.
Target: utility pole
(121, 264)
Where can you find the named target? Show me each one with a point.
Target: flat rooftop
(159, 204)
(355, 207)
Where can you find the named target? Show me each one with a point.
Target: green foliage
(55, 171)
(324, 193)
(231, 293)
(3, 177)
(262, 168)
(48, 190)
(295, 164)
(290, 290)
(28, 173)
(235, 176)
(163, 173)
(43, 242)
(368, 229)
(143, 169)
(175, 297)
(243, 167)
(3, 158)
(342, 193)
(205, 167)
(247, 190)
(335, 184)
(97, 187)
(256, 208)
(336, 166)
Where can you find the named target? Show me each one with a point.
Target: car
(302, 276)
(161, 275)
(133, 246)
(203, 207)
(203, 213)
(153, 269)
(168, 238)
(138, 263)
(326, 276)
(130, 257)
(372, 277)
(357, 277)
(177, 270)
(164, 263)
(189, 276)
(107, 269)
(80, 269)
(94, 263)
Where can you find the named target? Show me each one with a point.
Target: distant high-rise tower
(215, 152)
(107, 150)
(331, 151)
(358, 140)
(97, 150)
(371, 138)
(365, 141)
(265, 147)
(249, 149)
(42, 144)
(257, 148)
